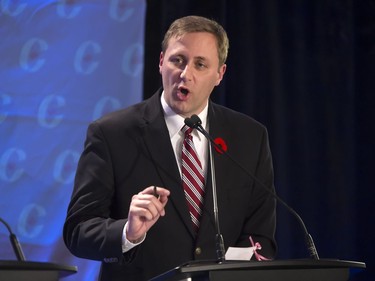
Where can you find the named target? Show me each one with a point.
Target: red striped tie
(192, 178)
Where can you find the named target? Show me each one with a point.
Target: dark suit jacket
(129, 150)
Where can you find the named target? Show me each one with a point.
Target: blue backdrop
(62, 65)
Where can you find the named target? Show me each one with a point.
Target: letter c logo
(30, 54)
(105, 105)
(84, 59)
(10, 169)
(62, 9)
(47, 113)
(65, 165)
(4, 101)
(114, 8)
(132, 60)
(5, 7)
(32, 212)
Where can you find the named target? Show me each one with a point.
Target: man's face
(190, 70)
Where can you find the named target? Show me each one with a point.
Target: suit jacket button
(198, 251)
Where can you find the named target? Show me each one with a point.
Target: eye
(200, 65)
(177, 60)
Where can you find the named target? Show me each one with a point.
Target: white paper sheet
(243, 254)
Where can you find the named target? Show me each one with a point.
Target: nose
(186, 73)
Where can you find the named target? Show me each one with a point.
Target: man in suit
(114, 215)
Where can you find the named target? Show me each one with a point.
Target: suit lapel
(158, 144)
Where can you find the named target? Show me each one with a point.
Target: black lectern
(280, 270)
(32, 271)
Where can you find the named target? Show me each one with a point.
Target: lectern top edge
(275, 264)
(34, 265)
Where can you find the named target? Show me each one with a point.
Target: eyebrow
(196, 58)
(200, 58)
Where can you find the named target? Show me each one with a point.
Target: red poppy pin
(221, 146)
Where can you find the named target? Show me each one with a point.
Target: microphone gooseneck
(220, 248)
(195, 122)
(15, 243)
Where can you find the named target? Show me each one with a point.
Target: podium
(279, 270)
(31, 271)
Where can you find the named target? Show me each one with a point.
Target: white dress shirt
(175, 123)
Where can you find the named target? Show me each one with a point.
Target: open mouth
(183, 93)
(183, 90)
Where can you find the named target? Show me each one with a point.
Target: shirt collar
(175, 121)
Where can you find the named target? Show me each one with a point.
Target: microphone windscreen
(193, 122)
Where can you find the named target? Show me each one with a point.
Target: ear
(221, 72)
(161, 60)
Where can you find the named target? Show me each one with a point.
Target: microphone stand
(15, 243)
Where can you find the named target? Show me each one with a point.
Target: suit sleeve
(89, 231)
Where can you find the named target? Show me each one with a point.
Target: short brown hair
(192, 24)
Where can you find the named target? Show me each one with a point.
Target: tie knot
(186, 130)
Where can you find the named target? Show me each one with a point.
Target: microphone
(195, 122)
(15, 243)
